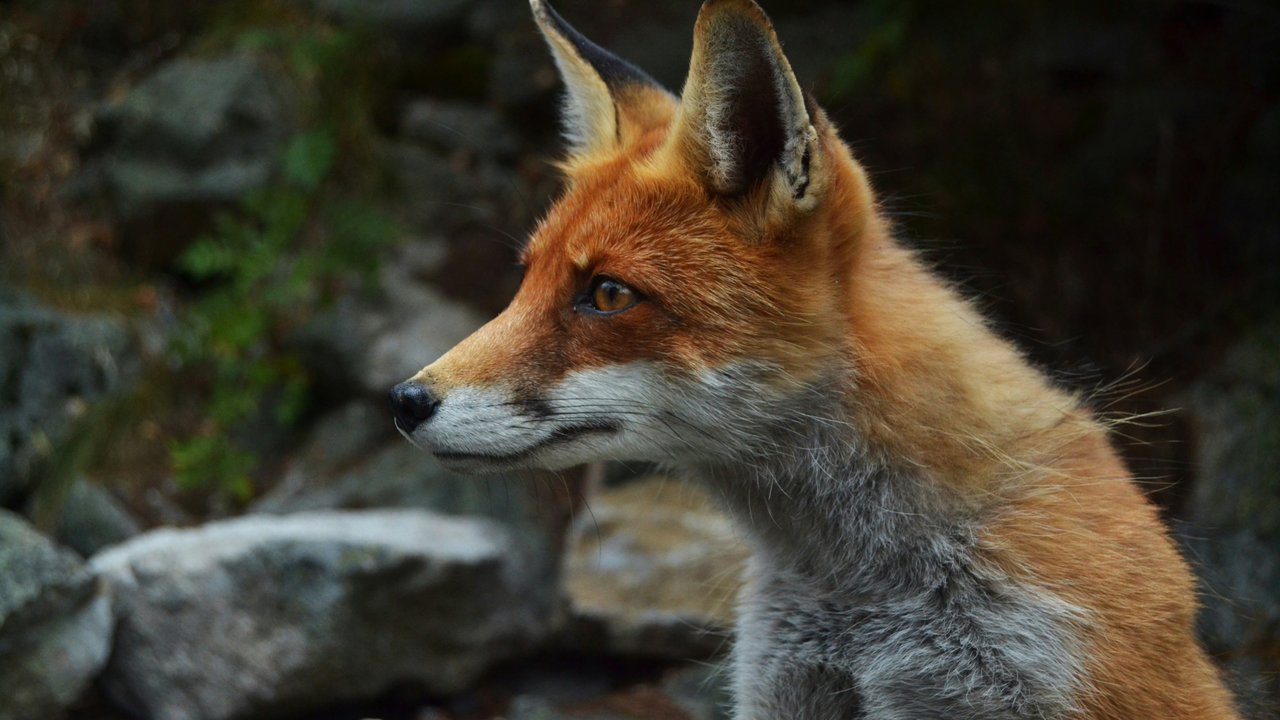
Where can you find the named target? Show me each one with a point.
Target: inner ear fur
(608, 101)
(743, 119)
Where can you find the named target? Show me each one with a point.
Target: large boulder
(195, 135)
(653, 570)
(55, 624)
(86, 517)
(270, 616)
(51, 365)
(339, 442)
(354, 460)
(1233, 521)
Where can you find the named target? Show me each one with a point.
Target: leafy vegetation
(268, 263)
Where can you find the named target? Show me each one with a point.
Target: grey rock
(1236, 409)
(89, 518)
(698, 692)
(55, 624)
(355, 460)
(449, 127)
(339, 441)
(51, 364)
(159, 503)
(197, 131)
(653, 570)
(1240, 578)
(1232, 528)
(394, 474)
(266, 616)
(19, 148)
(374, 343)
(452, 191)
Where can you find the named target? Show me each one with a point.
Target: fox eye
(608, 296)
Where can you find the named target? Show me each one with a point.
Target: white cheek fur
(632, 411)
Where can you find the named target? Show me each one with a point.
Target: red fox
(937, 531)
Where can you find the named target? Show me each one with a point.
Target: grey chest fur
(862, 602)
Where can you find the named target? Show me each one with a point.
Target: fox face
(681, 294)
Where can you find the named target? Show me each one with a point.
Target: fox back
(937, 531)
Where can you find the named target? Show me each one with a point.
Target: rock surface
(1233, 531)
(690, 693)
(270, 616)
(193, 138)
(50, 365)
(354, 461)
(653, 571)
(372, 344)
(197, 130)
(90, 518)
(340, 470)
(55, 624)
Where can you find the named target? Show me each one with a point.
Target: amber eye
(611, 296)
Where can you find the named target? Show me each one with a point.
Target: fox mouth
(558, 436)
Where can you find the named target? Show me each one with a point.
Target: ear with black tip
(608, 101)
(743, 118)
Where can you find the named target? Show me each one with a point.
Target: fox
(936, 528)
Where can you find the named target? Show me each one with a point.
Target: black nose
(412, 403)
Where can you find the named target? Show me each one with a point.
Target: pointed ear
(608, 101)
(743, 118)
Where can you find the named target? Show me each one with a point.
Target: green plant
(266, 261)
(266, 265)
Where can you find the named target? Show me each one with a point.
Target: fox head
(687, 291)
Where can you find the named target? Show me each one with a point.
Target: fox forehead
(666, 236)
(647, 233)
(622, 210)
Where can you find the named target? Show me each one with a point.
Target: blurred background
(226, 228)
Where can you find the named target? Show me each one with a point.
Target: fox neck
(883, 469)
(821, 503)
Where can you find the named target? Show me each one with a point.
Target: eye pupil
(612, 296)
